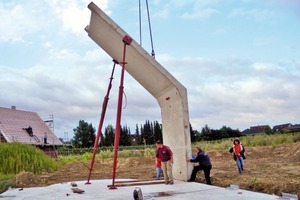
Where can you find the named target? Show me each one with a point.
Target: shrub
(149, 152)
(106, 154)
(17, 157)
(250, 141)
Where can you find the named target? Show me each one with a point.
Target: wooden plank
(136, 183)
(77, 190)
(73, 184)
(136, 180)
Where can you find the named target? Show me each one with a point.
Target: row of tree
(85, 135)
(147, 133)
(211, 134)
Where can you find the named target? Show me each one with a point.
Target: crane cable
(140, 22)
(149, 24)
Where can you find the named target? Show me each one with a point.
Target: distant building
(288, 126)
(28, 128)
(278, 128)
(295, 127)
(256, 129)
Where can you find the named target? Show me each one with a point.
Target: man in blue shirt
(204, 164)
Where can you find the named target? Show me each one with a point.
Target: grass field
(18, 158)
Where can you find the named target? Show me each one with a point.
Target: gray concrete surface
(98, 190)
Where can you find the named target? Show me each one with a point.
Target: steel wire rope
(140, 22)
(149, 23)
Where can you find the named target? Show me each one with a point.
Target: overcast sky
(238, 59)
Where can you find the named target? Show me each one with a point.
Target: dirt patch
(27, 179)
(270, 169)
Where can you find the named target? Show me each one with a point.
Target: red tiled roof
(13, 123)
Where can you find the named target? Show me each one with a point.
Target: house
(256, 129)
(28, 128)
(295, 127)
(287, 126)
(277, 128)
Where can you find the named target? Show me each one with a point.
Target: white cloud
(189, 9)
(200, 9)
(261, 67)
(48, 44)
(204, 13)
(214, 98)
(16, 21)
(74, 18)
(21, 20)
(225, 93)
(75, 14)
(255, 13)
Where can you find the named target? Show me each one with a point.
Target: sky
(238, 59)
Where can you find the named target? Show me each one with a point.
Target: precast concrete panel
(170, 93)
(176, 130)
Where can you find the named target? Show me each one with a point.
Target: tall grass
(104, 154)
(17, 157)
(149, 150)
(250, 141)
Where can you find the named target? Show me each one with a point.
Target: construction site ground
(268, 169)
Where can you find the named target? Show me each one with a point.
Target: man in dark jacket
(204, 164)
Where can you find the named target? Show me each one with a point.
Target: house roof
(256, 129)
(13, 124)
(281, 126)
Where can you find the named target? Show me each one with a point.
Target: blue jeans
(159, 172)
(240, 164)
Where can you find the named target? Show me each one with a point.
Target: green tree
(143, 138)
(148, 133)
(269, 131)
(84, 135)
(198, 135)
(137, 135)
(125, 139)
(205, 132)
(157, 131)
(192, 133)
(109, 135)
(225, 131)
(102, 141)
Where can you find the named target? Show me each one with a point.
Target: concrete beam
(170, 93)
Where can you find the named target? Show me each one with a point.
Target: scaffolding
(49, 120)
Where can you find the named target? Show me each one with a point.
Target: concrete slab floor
(98, 190)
